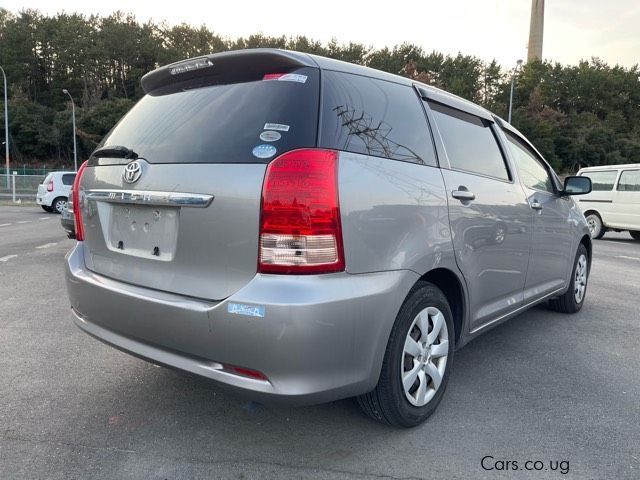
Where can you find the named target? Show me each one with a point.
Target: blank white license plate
(143, 231)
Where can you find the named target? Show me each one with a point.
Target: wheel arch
(453, 288)
(588, 244)
(593, 211)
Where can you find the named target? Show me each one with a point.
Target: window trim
(432, 135)
(617, 187)
(441, 147)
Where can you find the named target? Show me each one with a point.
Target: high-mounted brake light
(272, 76)
(50, 186)
(77, 214)
(300, 228)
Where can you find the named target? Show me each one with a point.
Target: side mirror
(577, 186)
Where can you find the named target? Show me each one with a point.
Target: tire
(46, 208)
(58, 204)
(635, 234)
(390, 402)
(596, 228)
(573, 298)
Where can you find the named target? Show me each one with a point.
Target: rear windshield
(249, 122)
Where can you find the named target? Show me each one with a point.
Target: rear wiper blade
(114, 151)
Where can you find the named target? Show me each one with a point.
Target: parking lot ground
(542, 387)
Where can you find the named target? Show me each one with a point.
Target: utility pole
(6, 129)
(73, 114)
(513, 83)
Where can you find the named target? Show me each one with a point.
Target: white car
(53, 192)
(614, 202)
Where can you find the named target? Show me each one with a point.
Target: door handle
(463, 195)
(536, 205)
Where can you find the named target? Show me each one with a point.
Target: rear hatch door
(181, 214)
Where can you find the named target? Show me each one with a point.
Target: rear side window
(470, 143)
(374, 117)
(629, 181)
(225, 123)
(602, 181)
(67, 178)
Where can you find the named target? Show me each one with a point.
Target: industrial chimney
(536, 32)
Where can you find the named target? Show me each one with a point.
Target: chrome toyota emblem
(132, 172)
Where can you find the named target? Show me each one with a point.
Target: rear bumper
(44, 199)
(321, 337)
(68, 223)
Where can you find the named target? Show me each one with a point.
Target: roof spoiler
(225, 67)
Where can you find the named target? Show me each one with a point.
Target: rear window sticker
(270, 136)
(264, 151)
(276, 126)
(293, 77)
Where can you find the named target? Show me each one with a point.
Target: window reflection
(374, 117)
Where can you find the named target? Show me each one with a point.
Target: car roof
(253, 57)
(609, 167)
(250, 58)
(427, 91)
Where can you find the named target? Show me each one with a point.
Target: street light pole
(73, 114)
(513, 82)
(6, 127)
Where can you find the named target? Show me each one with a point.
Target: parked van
(303, 229)
(614, 202)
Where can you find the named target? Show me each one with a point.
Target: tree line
(577, 115)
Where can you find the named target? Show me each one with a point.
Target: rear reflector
(300, 229)
(246, 372)
(77, 214)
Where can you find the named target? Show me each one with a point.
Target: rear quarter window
(374, 117)
(67, 178)
(224, 123)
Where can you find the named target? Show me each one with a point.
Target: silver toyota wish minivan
(304, 229)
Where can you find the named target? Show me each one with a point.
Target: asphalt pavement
(543, 387)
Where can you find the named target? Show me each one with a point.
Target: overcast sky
(574, 29)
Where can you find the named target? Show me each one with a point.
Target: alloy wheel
(59, 206)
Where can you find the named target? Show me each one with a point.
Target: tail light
(77, 213)
(300, 229)
(50, 186)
